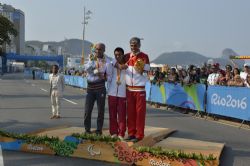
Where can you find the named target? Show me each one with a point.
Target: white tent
(156, 65)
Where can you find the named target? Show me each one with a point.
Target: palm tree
(6, 30)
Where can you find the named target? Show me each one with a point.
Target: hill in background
(73, 47)
(185, 58)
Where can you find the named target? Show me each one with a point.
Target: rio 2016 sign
(152, 162)
(229, 101)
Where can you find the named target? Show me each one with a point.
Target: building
(32, 50)
(17, 17)
(74, 62)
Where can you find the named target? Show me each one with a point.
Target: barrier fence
(181, 96)
(229, 101)
(226, 101)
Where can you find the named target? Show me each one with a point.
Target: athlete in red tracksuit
(136, 94)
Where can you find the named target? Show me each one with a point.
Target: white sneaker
(114, 136)
(121, 138)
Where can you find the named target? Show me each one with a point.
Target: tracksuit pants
(136, 113)
(117, 115)
(56, 102)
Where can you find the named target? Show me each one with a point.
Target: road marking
(62, 98)
(69, 101)
(43, 90)
(33, 85)
(1, 157)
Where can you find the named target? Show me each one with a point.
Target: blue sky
(203, 26)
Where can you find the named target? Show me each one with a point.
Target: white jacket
(113, 88)
(60, 83)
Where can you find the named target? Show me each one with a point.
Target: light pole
(86, 17)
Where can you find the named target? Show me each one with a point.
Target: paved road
(25, 107)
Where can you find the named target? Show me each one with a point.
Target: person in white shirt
(244, 74)
(56, 91)
(213, 77)
(117, 97)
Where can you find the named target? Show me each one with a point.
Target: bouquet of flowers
(139, 65)
(93, 56)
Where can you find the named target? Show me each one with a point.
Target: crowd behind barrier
(220, 100)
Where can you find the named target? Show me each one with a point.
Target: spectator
(181, 73)
(156, 77)
(212, 78)
(162, 78)
(203, 75)
(247, 82)
(193, 75)
(165, 75)
(246, 71)
(236, 71)
(221, 79)
(173, 76)
(33, 74)
(151, 75)
(228, 77)
(237, 81)
(229, 69)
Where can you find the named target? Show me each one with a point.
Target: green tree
(6, 29)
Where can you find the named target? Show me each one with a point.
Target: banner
(158, 93)
(186, 96)
(148, 91)
(181, 96)
(77, 81)
(46, 76)
(229, 101)
(27, 72)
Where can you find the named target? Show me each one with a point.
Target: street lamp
(86, 17)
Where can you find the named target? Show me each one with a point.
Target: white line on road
(1, 157)
(43, 90)
(33, 85)
(69, 101)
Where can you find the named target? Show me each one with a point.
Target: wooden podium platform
(152, 150)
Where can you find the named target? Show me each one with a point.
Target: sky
(203, 26)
